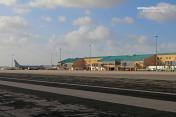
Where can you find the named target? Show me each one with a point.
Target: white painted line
(161, 105)
(93, 86)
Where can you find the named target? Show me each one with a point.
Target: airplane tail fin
(16, 63)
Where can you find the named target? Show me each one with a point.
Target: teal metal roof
(167, 53)
(126, 58)
(70, 60)
(118, 58)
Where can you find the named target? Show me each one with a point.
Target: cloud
(25, 47)
(13, 40)
(7, 2)
(83, 21)
(17, 8)
(16, 39)
(165, 47)
(62, 19)
(75, 3)
(140, 39)
(99, 33)
(135, 44)
(21, 9)
(25, 51)
(12, 22)
(47, 18)
(87, 12)
(76, 42)
(12, 31)
(162, 12)
(126, 20)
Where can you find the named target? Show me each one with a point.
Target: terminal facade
(161, 62)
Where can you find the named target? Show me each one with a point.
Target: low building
(68, 64)
(163, 61)
(79, 64)
(127, 62)
(93, 63)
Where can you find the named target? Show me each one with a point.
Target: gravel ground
(15, 104)
(25, 105)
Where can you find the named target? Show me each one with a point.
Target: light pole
(60, 54)
(51, 59)
(60, 57)
(12, 59)
(156, 58)
(90, 45)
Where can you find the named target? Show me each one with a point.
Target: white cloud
(165, 47)
(161, 12)
(83, 21)
(62, 19)
(88, 34)
(47, 18)
(12, 31)
(16, 40)
(8, 2)
(100, 33)
(135, 44)
(140, 39)
(25, 48)
(17, 8)
(12, 22)
(29, 53)
(13, 40)
(74, 3)
(87, 12)
(76, 43)
(21, 9)
(104, 43)
(126, 20)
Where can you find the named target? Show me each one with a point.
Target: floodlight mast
(156, 47)
(90, 56)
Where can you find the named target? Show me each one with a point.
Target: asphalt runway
(105, 74)
(161, 105)
(97, 88)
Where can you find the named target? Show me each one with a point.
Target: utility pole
(90, 50)
(90, 46)
(60, 54)
(60, 57)
(12, 59)
(156, 58)
(51, 59)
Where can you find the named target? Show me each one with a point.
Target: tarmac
(168, 106)
(105, 74)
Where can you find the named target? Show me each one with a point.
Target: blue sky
(34, 30)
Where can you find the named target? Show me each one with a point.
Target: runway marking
(93, 86)
(160, 105)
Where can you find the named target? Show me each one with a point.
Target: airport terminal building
(161, 62)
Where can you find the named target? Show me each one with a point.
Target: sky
(33, 31)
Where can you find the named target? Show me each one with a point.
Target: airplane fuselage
(31, 67)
